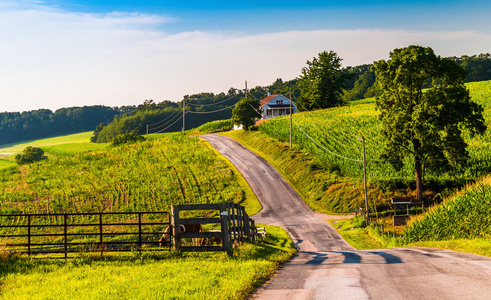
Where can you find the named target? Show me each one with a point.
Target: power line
(322, 147)
(209, 112)
(167, 126)
(332, 138)
(170, 117)
(256, 110)
(210, 104)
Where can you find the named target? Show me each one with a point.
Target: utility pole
(183, 114)
(365, 179)
(291, 120)
(246, 88)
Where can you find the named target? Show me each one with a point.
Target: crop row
(148, 176)
(334, 135)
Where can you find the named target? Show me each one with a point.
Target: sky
(64, 53)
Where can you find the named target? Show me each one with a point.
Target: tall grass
(464, 216)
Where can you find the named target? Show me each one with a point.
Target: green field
(338, 131)
(147, 176)
(67, 145)
(145, 276)
(79, 138)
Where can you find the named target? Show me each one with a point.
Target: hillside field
(147, 176)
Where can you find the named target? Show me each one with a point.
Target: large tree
(322, 82)
(425, 124)
(245, 113)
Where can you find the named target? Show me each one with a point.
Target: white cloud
(51, 58)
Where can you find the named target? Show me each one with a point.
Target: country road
(326, 267)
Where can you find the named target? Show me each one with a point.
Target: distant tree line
(42, 123)
(351, 83)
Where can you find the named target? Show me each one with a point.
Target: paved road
(326, 267)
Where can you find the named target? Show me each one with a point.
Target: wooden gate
(82, 232)
(235, 226)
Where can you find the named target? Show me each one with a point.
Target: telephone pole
(291, 117)
(246, 88)
(365, 179)
(183, 114)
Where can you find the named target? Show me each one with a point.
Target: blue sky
(59, 53)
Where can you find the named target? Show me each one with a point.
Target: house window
(279, 101)
(268, 112)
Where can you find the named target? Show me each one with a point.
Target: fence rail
(25, 233)
(103, 232)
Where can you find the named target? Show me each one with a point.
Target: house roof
(267, 99)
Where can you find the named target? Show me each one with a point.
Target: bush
(30, 155)
(127, 138)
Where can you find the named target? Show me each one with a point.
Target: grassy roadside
(146, 276)
(361, 237)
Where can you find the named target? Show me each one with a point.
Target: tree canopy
(322, 82)
(425, 124)
(30, 155)
(245, 113)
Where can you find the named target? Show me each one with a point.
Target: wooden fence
(124, 231)
(82, 232)
(235, 226)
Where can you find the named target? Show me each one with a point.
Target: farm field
(147, 176)
(68, 144)
(338, 130)
(78, 138)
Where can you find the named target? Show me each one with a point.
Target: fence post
(66, 237)
(240, 225)
(247, 227)
(139, 231)
(100, 233)
(29, 234)
(224, 224)
(175, 227)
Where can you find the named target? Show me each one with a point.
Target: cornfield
(334, 135)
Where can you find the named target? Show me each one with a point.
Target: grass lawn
(148, 276)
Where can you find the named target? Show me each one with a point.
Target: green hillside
(147, 176)
(333, 136)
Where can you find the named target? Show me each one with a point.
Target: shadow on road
(318, 258)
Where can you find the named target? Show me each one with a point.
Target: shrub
(126, 138)
(30, 155)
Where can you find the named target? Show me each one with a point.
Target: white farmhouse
(276, 105)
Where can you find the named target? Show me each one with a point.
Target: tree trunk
(418, 169)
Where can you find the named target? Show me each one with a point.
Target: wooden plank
(175, 223)
(400, 220)
(187, 235)
(197, 207)
(200, 221)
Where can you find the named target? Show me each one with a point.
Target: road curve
(326, 267)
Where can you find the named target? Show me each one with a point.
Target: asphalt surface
(326, 267)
